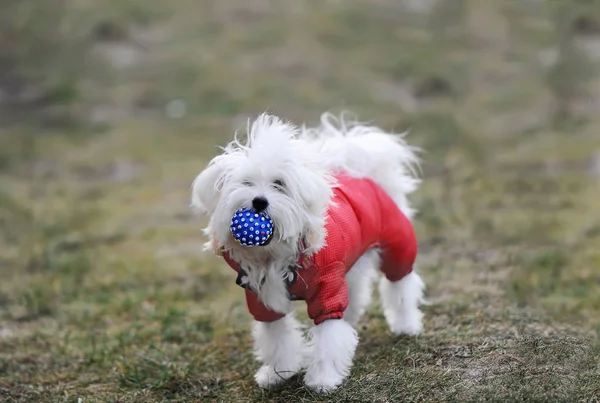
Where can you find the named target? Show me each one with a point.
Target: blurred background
(108, 110)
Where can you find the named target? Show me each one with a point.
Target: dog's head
(273, 171)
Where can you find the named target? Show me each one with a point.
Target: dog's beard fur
(275, 164)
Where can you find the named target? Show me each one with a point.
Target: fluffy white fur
(360, 280)
(332, 346)
(400, 301)
(280, 347)
(292, 168)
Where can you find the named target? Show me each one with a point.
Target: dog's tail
(367, 151)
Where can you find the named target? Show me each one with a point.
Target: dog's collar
(290, 276)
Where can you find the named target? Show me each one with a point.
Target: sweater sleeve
(232, 263)
(398, 243)
(258, 310)
(329, 296)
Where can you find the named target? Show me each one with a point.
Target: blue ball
(251, 228)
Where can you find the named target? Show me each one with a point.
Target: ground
(106, 295)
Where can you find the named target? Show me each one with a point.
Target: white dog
(337, 197)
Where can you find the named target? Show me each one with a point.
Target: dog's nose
(260, 203)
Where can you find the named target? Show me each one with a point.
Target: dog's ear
(316, 193)
(314, 240)
(206, 189)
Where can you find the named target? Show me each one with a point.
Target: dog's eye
(246, 183)
(279, 184)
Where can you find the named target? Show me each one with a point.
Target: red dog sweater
(362, 216)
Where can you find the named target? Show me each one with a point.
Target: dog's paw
(322, 382)
(321, 388)
(410, 325)
(267, 377)
(407, 329)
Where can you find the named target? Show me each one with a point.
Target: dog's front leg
(333, 343)
(280, 346)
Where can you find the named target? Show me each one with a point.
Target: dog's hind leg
(401, 288)
(360, 281)
(400, 301)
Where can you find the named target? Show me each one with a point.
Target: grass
(105, 293)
